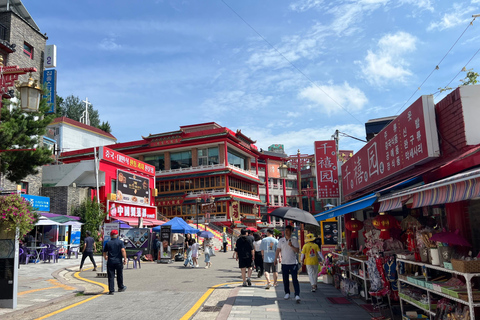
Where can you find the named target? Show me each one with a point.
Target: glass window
(28, 50)
(236, 159)
(181, 160)
(114, 186)
(207, 156)
(157, 160)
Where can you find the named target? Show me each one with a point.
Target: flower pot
(434, 256)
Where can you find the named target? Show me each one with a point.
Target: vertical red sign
(327, 170)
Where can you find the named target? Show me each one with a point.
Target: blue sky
(288, 72)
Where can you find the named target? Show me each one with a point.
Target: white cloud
(452, 18)
(387, 63)
(329, 97)
(109, 44)
(305, 5)
(235, 100)
(421, 4)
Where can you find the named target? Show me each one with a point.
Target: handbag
(212, 252)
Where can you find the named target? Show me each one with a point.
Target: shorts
(245, 263)
(270, 267)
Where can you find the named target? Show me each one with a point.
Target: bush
(17, 212)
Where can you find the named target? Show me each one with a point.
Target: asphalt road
(165, 291)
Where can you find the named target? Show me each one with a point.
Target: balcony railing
(205, 167)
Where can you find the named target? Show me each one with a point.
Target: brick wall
(221, 153)
(194, 157)
(34, 183)
(450, 124)
(168, 164)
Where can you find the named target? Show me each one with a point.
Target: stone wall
(34, 183)
(64, 200)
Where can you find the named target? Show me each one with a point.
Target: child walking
(195, 246)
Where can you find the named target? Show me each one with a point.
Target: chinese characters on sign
(117, 209)
(165, 141)
(126, 161)
(407, 141)
(235, 210)
(327, 170)
(171, 201)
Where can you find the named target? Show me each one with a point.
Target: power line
(437, 66)
(291, 63)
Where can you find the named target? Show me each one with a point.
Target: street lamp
(198, 200)
(283, 170)
(30, 93)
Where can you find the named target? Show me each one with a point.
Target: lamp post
(198, 200)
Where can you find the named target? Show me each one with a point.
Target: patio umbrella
(205, 234)
(295, 214)
(452, 238)
(252, 229)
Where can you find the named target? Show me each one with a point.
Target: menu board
(135, 238)
(132, 188)
(330, 232)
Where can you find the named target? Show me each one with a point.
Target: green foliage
(59, 111)
(470, 78)
(105, 126)
(17, 212)
(92, 214)
(72, 107)
(22, 130)
(277, 232)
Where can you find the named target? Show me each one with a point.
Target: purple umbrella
(452, 238)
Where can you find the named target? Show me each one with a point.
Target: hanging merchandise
(384, 222)
(354, 226)
(410, 223)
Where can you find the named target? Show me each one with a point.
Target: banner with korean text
(116, 157)
(409, 140)
(327, 170)
(119, 209)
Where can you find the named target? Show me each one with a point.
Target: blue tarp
(351, 206)
(178, 226)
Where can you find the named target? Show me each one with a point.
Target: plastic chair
(21, 255)
(51, 252)
(73, 249)
(135, 258)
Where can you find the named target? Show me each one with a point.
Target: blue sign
(37, 202)
(50, 83)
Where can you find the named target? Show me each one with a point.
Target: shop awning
(134, 221)
(462, 186)
(348, 207)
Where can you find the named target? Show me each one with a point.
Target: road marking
(35, 290)
(77, 275)
(60, 285)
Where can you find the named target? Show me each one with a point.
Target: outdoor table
(37, 251)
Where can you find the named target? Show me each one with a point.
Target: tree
(105, 126)
(72, 107)
(59, 112)
(21, 130)
(92, 214)
(470, 78)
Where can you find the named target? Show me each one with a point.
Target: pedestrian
(113, 252)
(225, 241)
(318, 241)
(245, 254)
(88, 250)
(157, 243)
(288, 247)
(311, 253)
(188, 250)
(195, 247)
(207, 250)
(258, 254)
(268, 248)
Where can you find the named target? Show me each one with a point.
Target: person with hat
(113, 252)
(311, 254)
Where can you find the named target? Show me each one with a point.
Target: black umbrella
(295, 214)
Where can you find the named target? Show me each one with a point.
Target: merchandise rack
(364, 277)
(468, 277)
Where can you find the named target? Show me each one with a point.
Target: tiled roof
(82, 126)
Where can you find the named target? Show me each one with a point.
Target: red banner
(126, 161)
(235, 214)
(118, 209)
(171, 201)
(327, 169)
(407, 141)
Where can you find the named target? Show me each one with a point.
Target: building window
(24, 187)
(157, 160)
(181, 160)
(28, 50)
(114, 186)
(237, 160)
(207, 156)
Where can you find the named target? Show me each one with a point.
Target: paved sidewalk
(41, 284)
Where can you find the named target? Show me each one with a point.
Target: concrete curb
(227, 307)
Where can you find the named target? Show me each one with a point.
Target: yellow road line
(35, 290)
(60, 285)
(77, 275)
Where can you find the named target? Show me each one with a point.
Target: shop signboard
(327, 169)
(273, 171)
(409, 140)
(132, 188)
(113, 156)
(135, 239)
(165, 251)
(50, 83)
(37, 202)
(118, 209)
(75, 234)
(330, 232)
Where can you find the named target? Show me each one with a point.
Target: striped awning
(462, 186)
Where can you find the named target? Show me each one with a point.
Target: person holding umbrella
(289, 248)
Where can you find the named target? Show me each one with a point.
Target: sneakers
(287, 296)
(297, 298)
(94, 269)
(313, 289)
(249, 282)
(123, 289)
(259, 274)
(267, 286)
(244, 284)
(206, 267)
(274, 284)
(110, 293)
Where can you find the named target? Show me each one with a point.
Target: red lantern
(354, 226)
(384, 222)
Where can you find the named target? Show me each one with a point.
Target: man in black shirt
(245, 254)
(113, 252)
(88, 249)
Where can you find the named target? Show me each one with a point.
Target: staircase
(217, 235)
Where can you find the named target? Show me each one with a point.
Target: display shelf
(419, 307)
(360, 277)
(468, 277)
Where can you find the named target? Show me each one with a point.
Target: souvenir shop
(412, 236)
